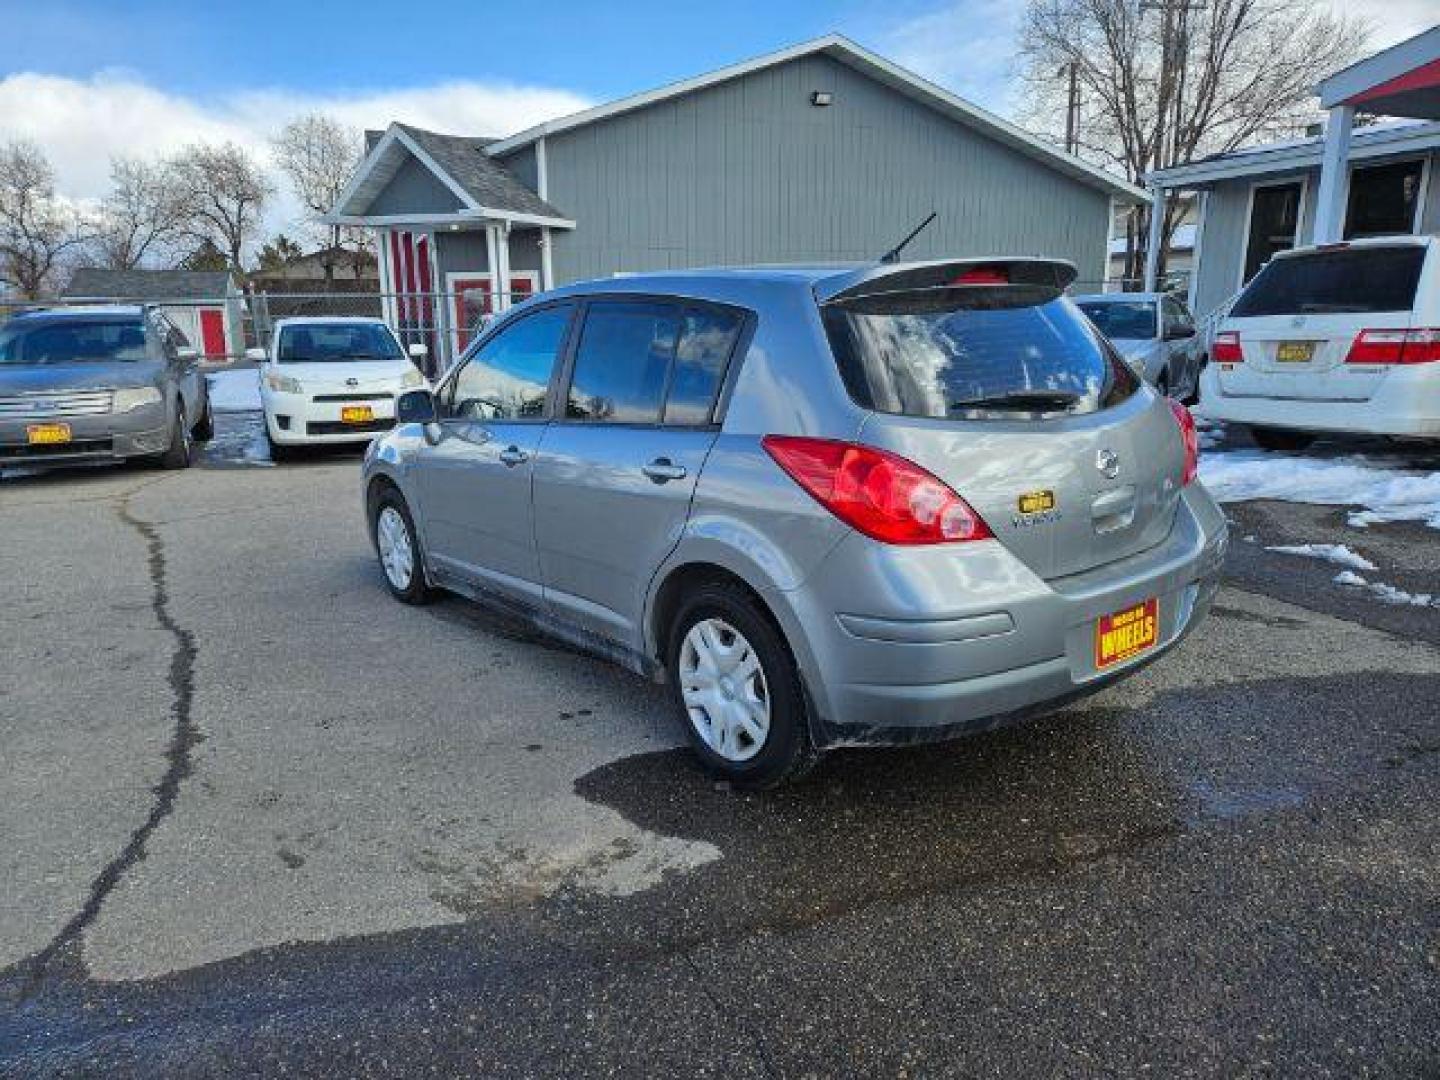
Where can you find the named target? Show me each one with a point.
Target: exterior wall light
(821, 98)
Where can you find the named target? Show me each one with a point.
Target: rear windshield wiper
(1023, 401)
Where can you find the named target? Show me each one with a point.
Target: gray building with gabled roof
(821, 152)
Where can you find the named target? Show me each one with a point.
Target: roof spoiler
(1054, 274)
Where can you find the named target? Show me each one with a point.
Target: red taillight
(1226, 348)
(1188, 438)
(1395, 347)
(875, 492)
(983, 275)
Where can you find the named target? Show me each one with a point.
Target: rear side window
(1325, 282)
(965, 352)
(622, 362)
(651, 361)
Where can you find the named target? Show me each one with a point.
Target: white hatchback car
(1336, 338)
(332, 380)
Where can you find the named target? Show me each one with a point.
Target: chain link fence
(224, 329)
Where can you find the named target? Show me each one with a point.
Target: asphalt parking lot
(259, 818)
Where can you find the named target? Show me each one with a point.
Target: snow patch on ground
(1387, 492)
(1336, 553)
(1387, 593)
(235, 391)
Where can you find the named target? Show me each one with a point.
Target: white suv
(1341, 337)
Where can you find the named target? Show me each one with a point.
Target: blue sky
(599, 50)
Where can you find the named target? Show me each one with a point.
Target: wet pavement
(261, 820)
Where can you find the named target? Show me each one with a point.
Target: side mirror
(416, 407)
(187, 353)
(418, 351)
(258, 356)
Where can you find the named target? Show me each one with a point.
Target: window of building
(1384, 199)
(1274, 222)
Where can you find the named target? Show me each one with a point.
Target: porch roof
(1403, 80)
(484, 188)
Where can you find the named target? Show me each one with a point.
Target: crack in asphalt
(183, 739)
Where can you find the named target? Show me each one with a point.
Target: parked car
(1341, 337)
(332, 380)
(99, 383)
(1155, 332)
(883, 504)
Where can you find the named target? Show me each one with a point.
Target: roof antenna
(893, 255)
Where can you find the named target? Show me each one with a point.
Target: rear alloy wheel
(738, 689)
(399, 550)
(182, 447)
(1281, 440)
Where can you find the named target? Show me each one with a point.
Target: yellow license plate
(1295, 352)
(356, 414)
(47, 434)
(1125, 634)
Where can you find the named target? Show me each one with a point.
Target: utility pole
(1072, 108)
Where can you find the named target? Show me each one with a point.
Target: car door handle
(662, 470)
(513, 455)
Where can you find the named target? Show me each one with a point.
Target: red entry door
(212, 332)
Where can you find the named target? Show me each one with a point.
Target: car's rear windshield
(321, 343)
(78, 342)
(1353, 280)
(976, 352)
(1125, 319)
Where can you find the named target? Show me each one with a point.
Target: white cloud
(966, 46)
(1390, 21)
(81, 124)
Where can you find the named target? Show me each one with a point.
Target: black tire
(204, 430)
(180, 452)
(415, 590)
(280, 453)
(1193, 398)
(787, 752)
(1162, 384)
(1281, 440)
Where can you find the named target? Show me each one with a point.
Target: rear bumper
(1407, 402)
(968, 639)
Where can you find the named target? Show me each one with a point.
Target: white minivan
(332, 380)
(1335, 338)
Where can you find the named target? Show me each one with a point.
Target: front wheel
(398, 546)
(738, 689)
(180, 451)
(1281, 440)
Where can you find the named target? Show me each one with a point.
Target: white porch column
(501, 280)
(492, 261)
(387, 276)
(1334, 176)
(1157, 229)
(547, 265)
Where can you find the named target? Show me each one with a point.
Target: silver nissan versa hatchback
(826, 505)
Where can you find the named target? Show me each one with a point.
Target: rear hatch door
(1299, 318)
(1006, 392)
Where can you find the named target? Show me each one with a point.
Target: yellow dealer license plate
(1295, 352)
(356, 414)
(1128, 633)
(47, 434)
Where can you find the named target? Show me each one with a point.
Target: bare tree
(319, 155)
(1167, 81)
(143, 218)
(37, 230)
(223, 191)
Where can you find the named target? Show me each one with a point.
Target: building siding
(749, 171)
(413, 189)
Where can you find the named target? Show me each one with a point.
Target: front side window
(1122, 319)
(322, 343)
(508, 376)
(72, 342)
(971, 353)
